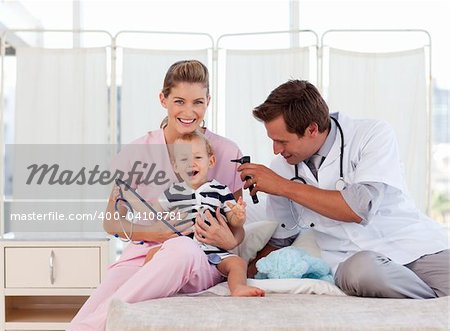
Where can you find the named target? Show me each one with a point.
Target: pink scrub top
(149, 157)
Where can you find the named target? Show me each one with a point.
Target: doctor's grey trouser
(370, 274)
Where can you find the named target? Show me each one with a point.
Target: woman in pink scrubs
(180, 266)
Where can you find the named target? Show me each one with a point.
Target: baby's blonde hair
(189, 137)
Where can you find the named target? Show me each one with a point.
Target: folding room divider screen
(390, 84)
(61, 97)
(109, 93)
(248, 74)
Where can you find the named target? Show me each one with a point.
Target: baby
(192, 157)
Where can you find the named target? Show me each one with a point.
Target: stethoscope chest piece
(340, 184)
(214, 258)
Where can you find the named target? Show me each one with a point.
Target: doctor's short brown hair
(300, 104)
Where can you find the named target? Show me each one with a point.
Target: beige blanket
(285, 311)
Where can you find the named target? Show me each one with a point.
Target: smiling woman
(185, 95)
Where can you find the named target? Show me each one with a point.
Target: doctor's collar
(329, 141)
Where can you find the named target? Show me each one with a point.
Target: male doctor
(342, 179)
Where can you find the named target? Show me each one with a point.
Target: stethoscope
(213, 258)
(121, 200)
(340, 183)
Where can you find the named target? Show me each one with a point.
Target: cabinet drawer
(52, 267)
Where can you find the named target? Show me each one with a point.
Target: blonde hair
(191, 136)
(189, 71)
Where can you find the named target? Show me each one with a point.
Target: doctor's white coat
(395, 228)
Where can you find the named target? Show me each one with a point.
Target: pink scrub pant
(180, 266)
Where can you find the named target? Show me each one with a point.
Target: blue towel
(293, 262)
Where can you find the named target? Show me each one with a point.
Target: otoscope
(242, 160)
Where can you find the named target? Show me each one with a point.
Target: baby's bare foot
(247, 291)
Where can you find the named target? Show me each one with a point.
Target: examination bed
(289, 304)
(280, 312)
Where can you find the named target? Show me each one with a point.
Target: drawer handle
(52, 278)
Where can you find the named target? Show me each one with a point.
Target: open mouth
(192, 173)
(186, 121)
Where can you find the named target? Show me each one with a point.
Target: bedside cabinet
(44, 283)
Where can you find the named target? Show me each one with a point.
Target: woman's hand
(115, 194)
(217, 234)
(160, 232)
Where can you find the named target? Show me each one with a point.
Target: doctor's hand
(217, 234)
(264, 179)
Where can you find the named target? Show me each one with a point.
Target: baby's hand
(236, 216)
